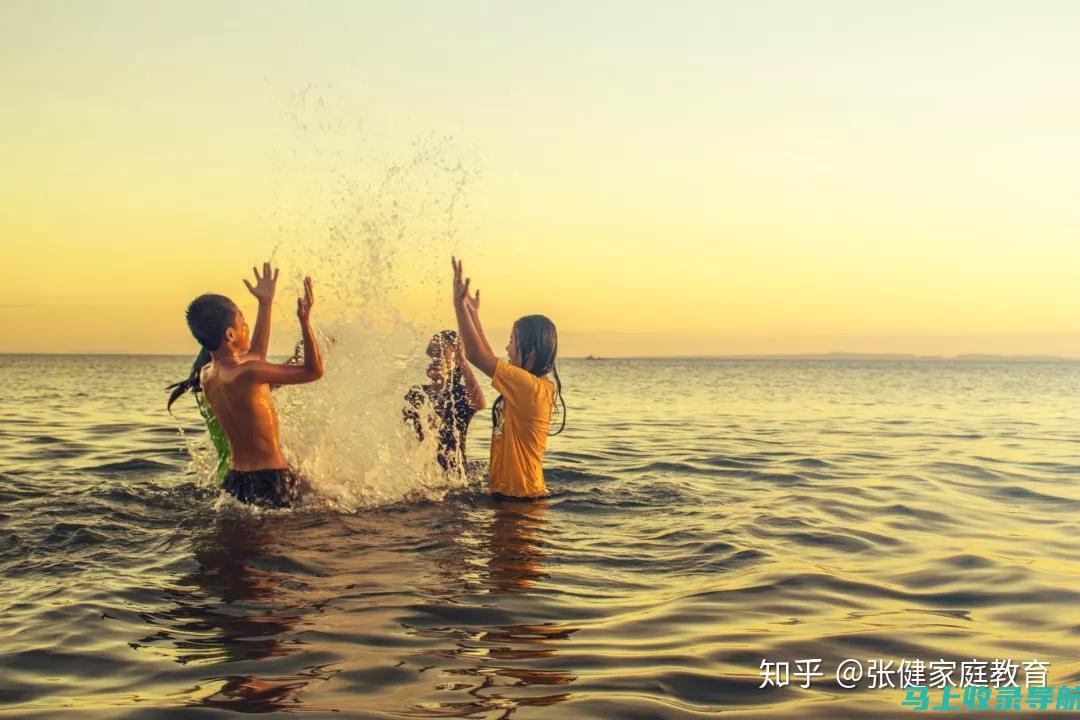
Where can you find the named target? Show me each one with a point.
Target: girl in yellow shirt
(530, 391)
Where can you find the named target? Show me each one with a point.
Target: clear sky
(659, 178)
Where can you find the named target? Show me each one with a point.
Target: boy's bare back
(246, 413)
(237, 381)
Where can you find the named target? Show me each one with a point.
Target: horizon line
(833, 355)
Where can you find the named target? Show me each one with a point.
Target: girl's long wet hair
(535, 335)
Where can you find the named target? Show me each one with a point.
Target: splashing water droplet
(372, 230)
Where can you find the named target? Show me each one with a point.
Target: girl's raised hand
(473, 302)
(461, 287)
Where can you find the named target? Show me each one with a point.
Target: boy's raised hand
(265, 284)
(303, 304)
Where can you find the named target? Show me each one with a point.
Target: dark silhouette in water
(453, 396)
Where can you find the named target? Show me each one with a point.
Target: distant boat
(593, 357)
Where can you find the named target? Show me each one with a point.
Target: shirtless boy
(236, 382)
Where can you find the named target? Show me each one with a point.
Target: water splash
(374, 225)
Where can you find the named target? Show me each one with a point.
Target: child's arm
(473, 392)
(263, 290)
(476, 345)
(260, 371)
(472, 304)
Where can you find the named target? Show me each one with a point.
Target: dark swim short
(276, 487)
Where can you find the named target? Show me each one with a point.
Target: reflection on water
(239, 605)
(514, 542)
(493, 663)
(784, 511)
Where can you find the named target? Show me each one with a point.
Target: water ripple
(799, 510)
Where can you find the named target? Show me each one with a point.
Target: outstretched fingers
(305, 301)
(461, 287)
(265, 281)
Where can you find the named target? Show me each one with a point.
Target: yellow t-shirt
(519, 440)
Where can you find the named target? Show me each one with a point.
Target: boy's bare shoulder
(250, 368)
(228, 373)
(207, 373)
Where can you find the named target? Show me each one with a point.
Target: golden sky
(687, 178)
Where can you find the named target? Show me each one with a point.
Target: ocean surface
(705, 515)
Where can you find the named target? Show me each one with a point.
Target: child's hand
(472, 303)
(461, 289)
(265, 284)
(303, 304)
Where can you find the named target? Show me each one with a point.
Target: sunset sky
(658, 178)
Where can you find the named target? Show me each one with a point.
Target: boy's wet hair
(208, 317)
(446, 338)
(443, 340)
(535, 336)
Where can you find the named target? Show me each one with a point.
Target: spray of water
(374, 224)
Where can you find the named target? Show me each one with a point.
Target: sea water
(705, 515)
